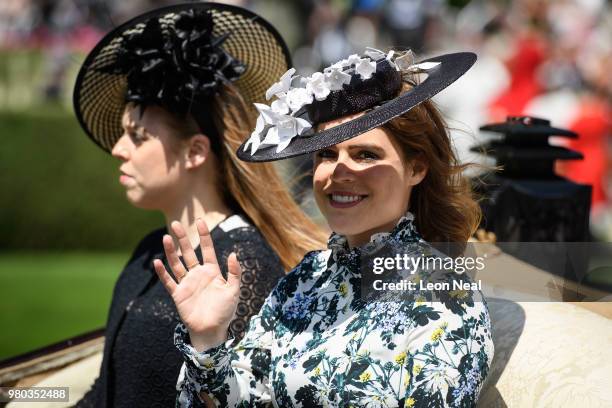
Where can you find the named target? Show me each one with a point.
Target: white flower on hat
(423, 66)
(287, 127)
(298, 97)
(318, 86)
(255, 139)
(365, 68)
(405, 61)
(280, 105)
(281, 129)
(353, 59)
(336, 78)
(374, 54)
(282, 85)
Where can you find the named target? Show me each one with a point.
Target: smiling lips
(339, 199)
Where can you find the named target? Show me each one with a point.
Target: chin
(138, 201)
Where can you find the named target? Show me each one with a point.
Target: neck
(205, 205)
(363, 238)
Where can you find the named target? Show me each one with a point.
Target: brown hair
(256, 189)
(443, 203)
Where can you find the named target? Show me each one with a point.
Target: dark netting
(99, 98)
(359, 95)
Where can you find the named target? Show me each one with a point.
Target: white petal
(280, 106)
(374, 53)
(353, 59)
(282, 85)
(365, 68)
(404, 62)
(271, 137)
(302, 125)
(424, 66)
(259, 126)
(283, 145)
(269, 116)
(336, 79)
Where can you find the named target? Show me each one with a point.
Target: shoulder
(236, 227)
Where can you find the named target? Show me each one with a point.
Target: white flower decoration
(298, 97)
(281, 129)
(353, 59)
(318, 86)
(365, 68)
(255, 139)
(282, 85)
(422, 67)
(280, 105)
(374, 54)
(287, 127)
(336, 78)
(404, 62)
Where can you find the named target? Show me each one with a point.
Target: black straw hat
(370, 84)
(176, 57)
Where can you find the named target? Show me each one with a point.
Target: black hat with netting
(177, 57)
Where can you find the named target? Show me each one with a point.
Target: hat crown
(358, 95)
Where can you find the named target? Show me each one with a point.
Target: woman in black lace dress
(168, 94)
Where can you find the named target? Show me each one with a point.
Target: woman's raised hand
(206, 302)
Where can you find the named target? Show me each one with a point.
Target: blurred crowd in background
(546, 58)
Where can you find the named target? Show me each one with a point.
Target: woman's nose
(121, 148)
(343, 172)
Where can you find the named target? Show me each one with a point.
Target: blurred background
(65, 227)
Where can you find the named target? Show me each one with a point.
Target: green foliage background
(66, 229)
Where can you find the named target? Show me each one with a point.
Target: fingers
(189, 255)
(206, 244)
(164, 276)
(234, 271)
(173, 260)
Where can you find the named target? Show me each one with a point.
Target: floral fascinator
(370, 83)
(177, 57)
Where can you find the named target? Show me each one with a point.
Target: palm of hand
(206, 302)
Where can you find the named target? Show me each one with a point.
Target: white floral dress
(317, 343)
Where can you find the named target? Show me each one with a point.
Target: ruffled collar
(403, 232)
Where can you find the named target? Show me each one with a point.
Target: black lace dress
(140, 366)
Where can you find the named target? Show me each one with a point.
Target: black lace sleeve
(261, 270)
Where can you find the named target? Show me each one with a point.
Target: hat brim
(451, 67)
(99, 98)
(532, 130)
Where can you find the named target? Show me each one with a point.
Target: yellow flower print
(437, 334)
(409, 402)
(317, 372)
(416, 369)
(365, 377)
(401, 358)
(208, 363)
(343, 289)
(458, 294)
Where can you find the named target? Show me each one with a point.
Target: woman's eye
(137, 137)
(326, 154)
(367, 155)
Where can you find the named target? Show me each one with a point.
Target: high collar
(404, 231)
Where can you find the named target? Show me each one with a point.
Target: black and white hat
(371, 83)
(177, 57)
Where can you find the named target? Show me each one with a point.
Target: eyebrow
(365, 146)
